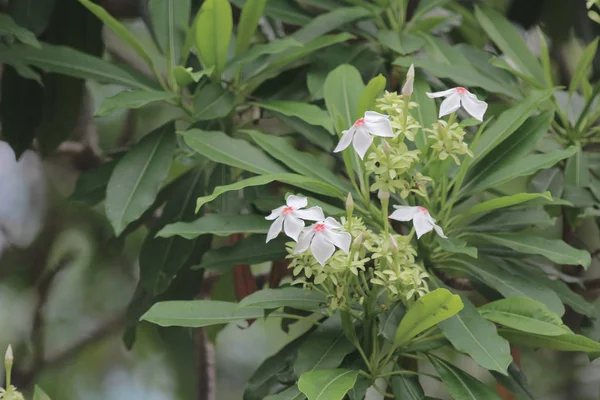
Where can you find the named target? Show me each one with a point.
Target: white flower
(360, 133)
(459, 96)
(420, 217)
(323, 237)
(290, 217)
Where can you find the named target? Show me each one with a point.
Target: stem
(383, 393)
(384, 214)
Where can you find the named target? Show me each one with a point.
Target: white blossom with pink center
(457, 97)
(291, 217)
(360, 133)
(422, 220)
(322, 238)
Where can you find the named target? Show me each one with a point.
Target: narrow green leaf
(198, 313)
(426, 113)
(214, 26)
(555, 250)
(316, 135)
(251, 250)
(516, 382)
(461, 385)
(238, 153)
(131, 100)
(309, 113)
(291, 393)
(34, 15)
(39, 394)
(400, 42)
(518, 219)
(8, 27)
(545, 58)
(323, 349)
(454, 245)
(329, 22)
(584, 66)
(390, 319)
(330, 384)
(273, 47)
(184, 76)
(407, 387)
(470, 333)
(373, 90)
(505, 201)
(170, 20)
(136, 179)
(524, 314)
(90, 187)
(251, 13)
(508, 39)
(292, 297)
(568, 342)
(304, 182)
(428, 310)
(119, 29)
(217, 224)
(342, 90)
(212, 101)
(577, 171)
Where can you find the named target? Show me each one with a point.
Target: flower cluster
(349, 258)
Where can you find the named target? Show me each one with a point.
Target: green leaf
(8, 27)
(555, 250)
(513, 219)
(219, 147)
(304, 182)
(298, 161)
(217, 224)
(90, 187)
(523, 167)
(251, 13)
(568, 342)
(214, 26)
(505, 201)
(524, 314)
(292, 297)
(316, 135)
(509, 121)
(513, 285)
(132, 100)
(309, 113)
(170, 20)
(584, 66)
(426, 113)
(428, 310)
(212, 101)
(120, 30)
(198, 313)
(454, 245)
(461, 385)
(39, 394)
(577, 171)
(251, 250)
(34, 15)
(470, 333)
(407, 387)
(400, 42)
(390, 319)
(516, 382)
(323, 349)
(136, 179)
(373, 90)
(508, 39)
(329, 22)
(184, 76)
(273, 47)
(342, 91)
(327, 385)
(68, 61)
(291, 393)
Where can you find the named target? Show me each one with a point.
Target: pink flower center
(359, 122)
(461, 90)
(319, 227)
(423, 210)
(288, 210)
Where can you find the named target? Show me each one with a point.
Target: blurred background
(66, 283)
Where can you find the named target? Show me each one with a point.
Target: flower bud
(358, 241)
(386, 147)
(9, 354)
(393, 243)
(407, 89)
(383, 195)
(349, 203)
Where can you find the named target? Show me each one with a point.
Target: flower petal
(422, 224)
(331, 223)
(304, 241)
(312, 214)
(439, 231)
(449, 105)
(404, 213)
(275, 213)
(345, 140)
(444, 93)
(382, 127)
(362, 141)
(292, 226)
(339, 239)
(275, 229)
(321, 249)
(297, 201)
(373, 116)
(476, 108)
